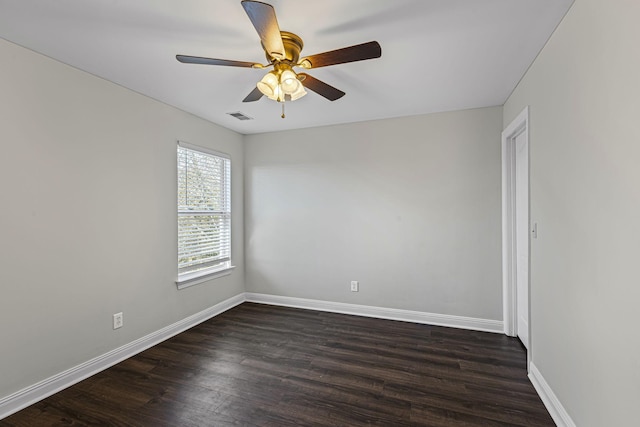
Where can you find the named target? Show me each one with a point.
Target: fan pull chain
(283, 116)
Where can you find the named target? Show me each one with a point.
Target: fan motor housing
(292, 47)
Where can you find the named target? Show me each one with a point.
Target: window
(204, 214)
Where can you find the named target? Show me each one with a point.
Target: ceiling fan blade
(354, 53)
(320, 87)
(213, 61)
(263, 18)
(253, 96)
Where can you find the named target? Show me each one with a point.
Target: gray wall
(88, 222)
(409, 207)
(584, 99)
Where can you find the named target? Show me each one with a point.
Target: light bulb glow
(278, 95)
(289, 82)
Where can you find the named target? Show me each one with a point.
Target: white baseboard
(34, 393)
(380, 312)
(555, 408)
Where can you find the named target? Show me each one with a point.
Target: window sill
(191, 279)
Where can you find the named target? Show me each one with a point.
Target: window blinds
(204, 211)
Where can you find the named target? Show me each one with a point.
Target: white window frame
(225, 267)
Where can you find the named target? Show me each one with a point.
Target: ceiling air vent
(240, 116)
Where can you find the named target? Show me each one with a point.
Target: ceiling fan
(282, 50)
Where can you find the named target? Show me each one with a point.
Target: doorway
(516, 229)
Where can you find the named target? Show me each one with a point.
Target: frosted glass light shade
(299, 93)
(277, 94)
(289, 82)
(269, 85)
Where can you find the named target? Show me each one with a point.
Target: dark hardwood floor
(260, 365)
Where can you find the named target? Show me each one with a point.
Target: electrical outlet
(117, 320)
(354, 286)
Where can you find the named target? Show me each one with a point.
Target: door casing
(518, 127)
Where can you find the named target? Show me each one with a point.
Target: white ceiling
(437, 55)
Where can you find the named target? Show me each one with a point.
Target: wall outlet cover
(118, 321)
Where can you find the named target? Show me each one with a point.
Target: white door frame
(519, 126)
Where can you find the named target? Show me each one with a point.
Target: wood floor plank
(261, 365)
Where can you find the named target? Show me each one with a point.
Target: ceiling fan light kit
(281, 84)
(282, 50)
